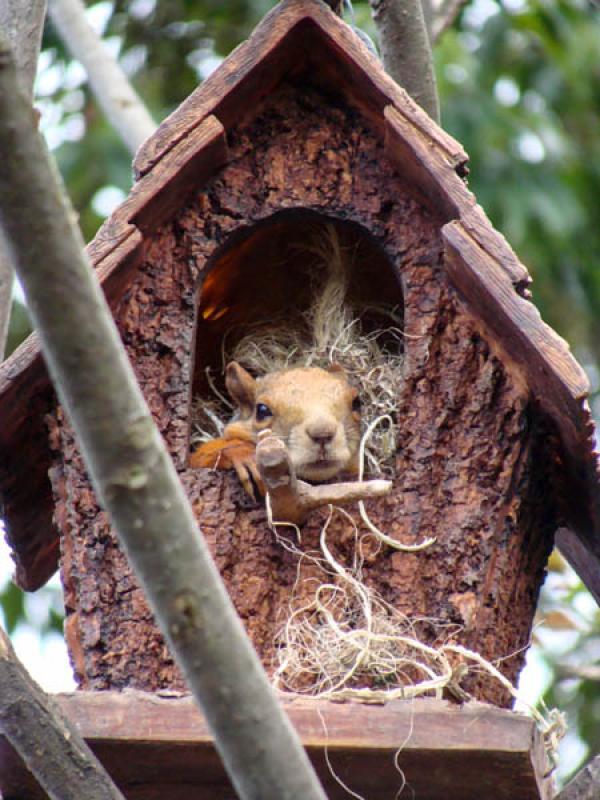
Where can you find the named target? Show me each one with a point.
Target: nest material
(347, 643)
(366, 342)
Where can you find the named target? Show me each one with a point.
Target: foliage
(20, 326)
(520, 88)
(567, 646)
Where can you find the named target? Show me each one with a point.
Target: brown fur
(312, 410)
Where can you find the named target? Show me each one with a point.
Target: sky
(45, 657)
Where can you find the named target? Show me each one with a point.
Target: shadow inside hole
(267, 272)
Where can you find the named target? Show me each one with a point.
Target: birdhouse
(300, 130)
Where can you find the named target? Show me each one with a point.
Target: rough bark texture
(406, 50)
(585, 785)
(132, 471)
(469, 469)
(6, 290)
(49, 744)
(23, 24)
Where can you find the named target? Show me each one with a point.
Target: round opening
(267, 271)
(300, 289)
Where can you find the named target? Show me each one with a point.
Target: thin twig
(131, 470)
(585, 785)
(23, 23)
(48, 743)
(443, 16)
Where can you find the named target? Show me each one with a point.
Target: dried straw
(348, 643)
(328, 332)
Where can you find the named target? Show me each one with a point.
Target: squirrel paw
(238, 454)
(273, 461)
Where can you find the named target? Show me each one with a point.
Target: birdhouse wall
(471, 465)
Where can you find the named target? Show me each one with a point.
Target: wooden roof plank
(586, 564)
(446, 192)
(556, 381)
(443, 750)
(250, 71)
(156, 196)
(285, 39)
(151, 201)
(364, 80)
(188, 165)
(24, 370)
(553, 374)
(24, 454)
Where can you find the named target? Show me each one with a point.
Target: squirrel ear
(241, 387)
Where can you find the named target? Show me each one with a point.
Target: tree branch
(585, 785)
(406, 50)
(49, 745)
(336, 5)
(6, 293)
(117, 98)
(131, 469)
(428, 14)
(23, 23)
(586, 672)
(443, 15)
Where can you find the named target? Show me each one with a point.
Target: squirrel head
(315, 411)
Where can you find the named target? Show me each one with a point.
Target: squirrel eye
(356, 404)
(262, 412)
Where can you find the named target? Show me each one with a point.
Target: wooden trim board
(291, 34)
(161, 747)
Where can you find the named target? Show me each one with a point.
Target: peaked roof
(190, 146)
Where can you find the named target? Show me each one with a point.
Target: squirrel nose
(321, 432)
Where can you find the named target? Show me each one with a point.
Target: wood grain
(552, 373)
(433, 174)
(25, 389)
(297, 35)
(155, 197)
(467, 468)
(557, 382)
(162, 747)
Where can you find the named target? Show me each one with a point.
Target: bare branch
(585, 785)
(131, 469)
(6, 292)
(48, 743)
(23, 23)
(586, 672)
(117, 98)
(336, 5)
(406, 51)
(443, 15)
(428, 14)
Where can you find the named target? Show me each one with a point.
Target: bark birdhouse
(301, 130)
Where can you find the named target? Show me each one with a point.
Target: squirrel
(316, 412)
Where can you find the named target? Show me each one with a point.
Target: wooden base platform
(160, 747)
